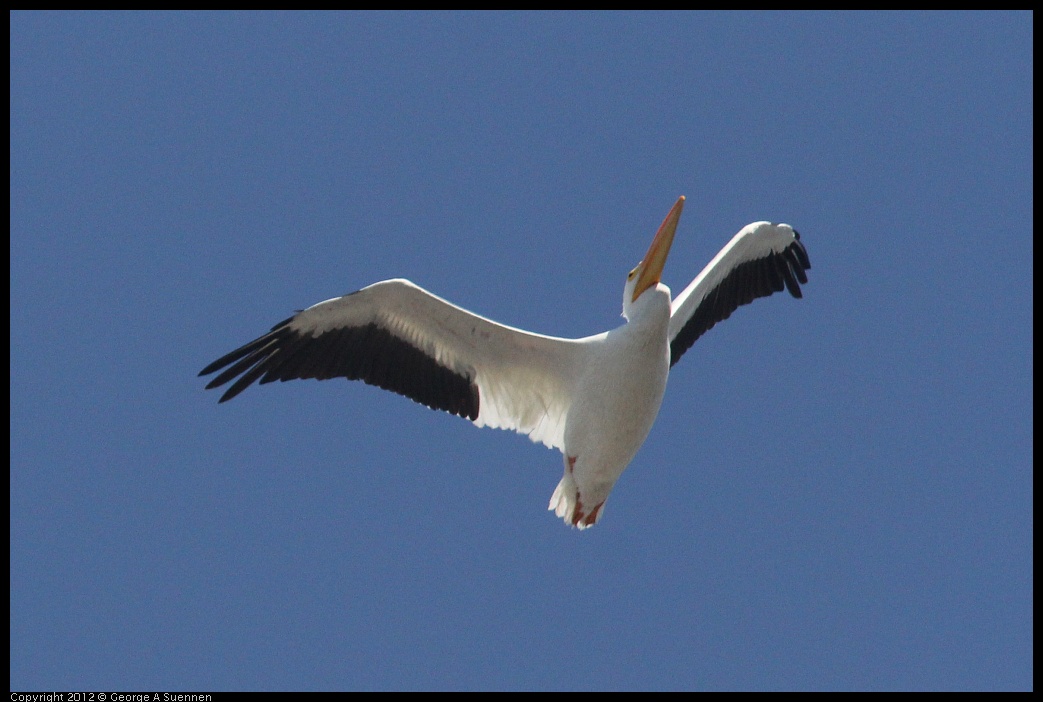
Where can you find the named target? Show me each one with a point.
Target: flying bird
(594, 398)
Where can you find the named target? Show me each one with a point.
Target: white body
(614, 405)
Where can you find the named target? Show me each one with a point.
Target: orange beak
(655, 259)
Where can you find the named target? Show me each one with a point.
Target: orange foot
(587, 520)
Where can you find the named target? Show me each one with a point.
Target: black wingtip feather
(369, 353)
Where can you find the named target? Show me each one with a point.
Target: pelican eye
(631, 274)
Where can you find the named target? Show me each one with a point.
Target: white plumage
(595, 398)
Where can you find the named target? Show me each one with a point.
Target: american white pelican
(595, 398)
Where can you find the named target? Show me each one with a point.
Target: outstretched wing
(763, 258)
(402, 338)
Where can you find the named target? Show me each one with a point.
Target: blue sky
(837, 493)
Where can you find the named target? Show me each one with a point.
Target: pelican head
(648, 273)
